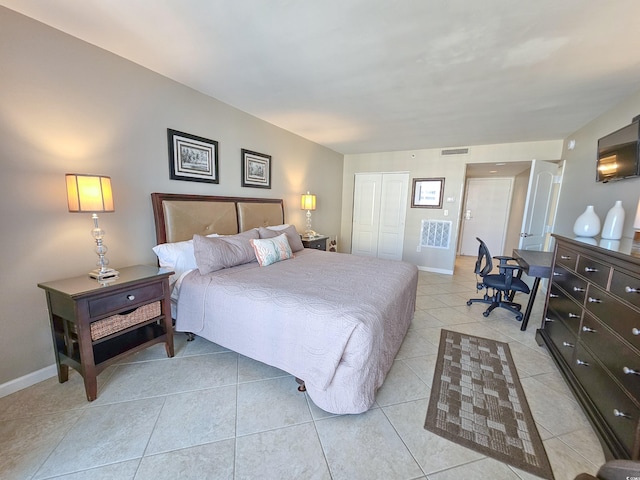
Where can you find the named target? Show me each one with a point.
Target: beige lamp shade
(308, 201)
(89, 193)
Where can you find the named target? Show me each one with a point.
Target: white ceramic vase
(612, 228)
(587, 224)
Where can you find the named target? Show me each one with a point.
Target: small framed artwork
(256, 169)
(192, 158)
(427, 193)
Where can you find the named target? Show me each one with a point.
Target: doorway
(485, 214)
(531, 204)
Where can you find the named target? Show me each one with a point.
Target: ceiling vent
(454, 151)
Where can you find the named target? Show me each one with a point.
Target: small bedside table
(318, 242)
(95, 325)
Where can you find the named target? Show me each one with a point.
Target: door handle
(524, 235)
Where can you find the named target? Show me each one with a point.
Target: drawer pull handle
(588, 330)
(590, 269)
(635, 331)
(565, 257)
(582, 363)
(618, 413)
(557, 274)
(554, 295)
(567, 344)
(578, 289)
(630, 371)
(631, 290)
(547, 319)
(131, 298)
(594, 300)
(573, 315)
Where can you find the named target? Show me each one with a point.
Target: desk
(537, 265)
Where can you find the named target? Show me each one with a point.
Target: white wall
(426, 164)
(579, 187)
(69, 107)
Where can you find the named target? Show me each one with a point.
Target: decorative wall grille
(435, 233)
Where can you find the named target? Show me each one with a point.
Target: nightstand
(318, 242)
(94, 325)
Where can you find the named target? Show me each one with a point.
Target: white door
(379, 210)
(392, 215)
(485, 214)
(537, 207)
(366, 214)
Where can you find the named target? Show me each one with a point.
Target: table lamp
(92, 194)
(308, 203)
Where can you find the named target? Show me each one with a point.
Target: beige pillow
(293, 236)
(216, 253)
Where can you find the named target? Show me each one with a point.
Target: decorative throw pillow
(177, 256)
(292, 235)
(214, 254)
(272, 250)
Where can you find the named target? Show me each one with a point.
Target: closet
(379, 210)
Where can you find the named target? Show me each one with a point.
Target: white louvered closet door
(379, 211)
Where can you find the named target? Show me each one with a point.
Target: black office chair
(504, 284)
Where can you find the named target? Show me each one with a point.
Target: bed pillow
(177, 256)
(213, 254)
(272, 250)
(292, 235)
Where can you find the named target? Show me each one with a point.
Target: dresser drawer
(619, 411)
(566, 257)
(570, 283)
(617, 356)
(626, 287)
(565, 308)
(594, 271)
(619, 317)
(564, 339)
(124, 299)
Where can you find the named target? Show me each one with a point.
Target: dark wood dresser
(591, 327)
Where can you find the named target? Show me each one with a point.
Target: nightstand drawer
(124, 299)
(117, 323)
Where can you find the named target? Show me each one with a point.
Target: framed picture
(427, 192)
(192, 158)
(256, 169)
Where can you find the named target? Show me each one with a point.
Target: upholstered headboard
(178, 216)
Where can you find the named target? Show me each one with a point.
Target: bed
(335, 321)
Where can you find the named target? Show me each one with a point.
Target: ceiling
(362, 76)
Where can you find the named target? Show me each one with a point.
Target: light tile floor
(210, 413)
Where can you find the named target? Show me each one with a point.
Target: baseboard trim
(435, 270)
(25, 381)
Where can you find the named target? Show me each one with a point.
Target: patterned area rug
(477, 401)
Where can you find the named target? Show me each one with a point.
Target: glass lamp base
(104, 274)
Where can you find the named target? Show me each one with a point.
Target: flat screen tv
(618, 154)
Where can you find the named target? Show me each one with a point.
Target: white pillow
(177, 256)
(271, 250)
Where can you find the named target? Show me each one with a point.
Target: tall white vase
(587, 224)
(612, 228)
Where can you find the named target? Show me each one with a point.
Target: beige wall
(67, 106)
(429, 163)
(579, 187)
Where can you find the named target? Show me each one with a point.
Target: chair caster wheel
(519, 318)
(469, 303)
(485, 314)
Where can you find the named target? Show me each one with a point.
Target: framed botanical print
(192, 158)
(427, 192)
(256, 169)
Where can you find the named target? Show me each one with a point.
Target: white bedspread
(334, 320)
